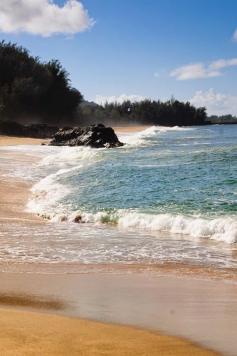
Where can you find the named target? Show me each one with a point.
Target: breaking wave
(142, 138)
(49, 193)
(220, 229)
(50, 190)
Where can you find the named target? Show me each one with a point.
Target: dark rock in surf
(78, 219)
(96, 136)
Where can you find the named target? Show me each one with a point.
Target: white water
(105, 189)
(48, 194)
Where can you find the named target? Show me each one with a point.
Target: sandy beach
(41, 313)
(130, 129)
(13, 141)
(12, 205)
(28, 333)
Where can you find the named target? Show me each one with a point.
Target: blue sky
(139, 48)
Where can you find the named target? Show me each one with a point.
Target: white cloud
(235, 35)
(200, 70)
(216, 103)
(43, 17)
(102, 100)
(223, 63)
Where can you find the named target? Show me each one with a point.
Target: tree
(30, 89)
(169, 113)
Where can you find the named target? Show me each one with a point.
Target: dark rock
(78, 219)
(96, 136)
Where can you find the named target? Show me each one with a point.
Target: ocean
(168, 195)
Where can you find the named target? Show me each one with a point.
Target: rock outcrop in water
(96, 136)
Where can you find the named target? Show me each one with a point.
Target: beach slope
(28, 333)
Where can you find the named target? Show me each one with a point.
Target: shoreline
(12, 210)
(15, 140)
(12, 205)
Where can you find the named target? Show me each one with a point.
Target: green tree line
(169, 113)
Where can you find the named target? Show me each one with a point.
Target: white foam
(141, 138)
(49, 191)
(45, 195)
(219, 229)
(69, 156)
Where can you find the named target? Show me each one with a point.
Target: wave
(47, 193)
(142, 137)
(59, 163)
(220, 229)
(64, 162)
(50, 190)
(69, 156)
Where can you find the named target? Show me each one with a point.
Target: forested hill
(36, 91)
(33, 90)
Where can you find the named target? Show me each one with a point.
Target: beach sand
(24, 332)
(27, 333)
(130, 129)
(14, 196)
(13, 141)
(14, 192)
(203, 311)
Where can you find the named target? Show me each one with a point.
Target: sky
(134, 49)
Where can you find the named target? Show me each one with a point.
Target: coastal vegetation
(222, 119)
(36, 92)
(31, 90)
(150, 112)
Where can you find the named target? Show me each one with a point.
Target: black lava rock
(96, 136)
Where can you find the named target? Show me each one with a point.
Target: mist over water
(170, 194)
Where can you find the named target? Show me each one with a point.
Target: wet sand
(14, 195)
(203, 311)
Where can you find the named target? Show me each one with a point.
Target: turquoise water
(189, 171)
(178, 180)
(168, 195)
